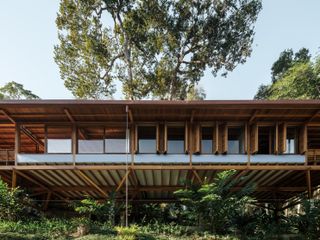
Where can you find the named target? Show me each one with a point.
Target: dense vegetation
(157, 49)
(294, 76)
(206, 211)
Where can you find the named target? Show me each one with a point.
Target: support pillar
(309, 184)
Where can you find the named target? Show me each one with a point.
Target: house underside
(64, 150)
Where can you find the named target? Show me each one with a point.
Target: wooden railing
(7, 156)
(313, 156)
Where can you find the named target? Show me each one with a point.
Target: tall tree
(155, 48)
(293, 76)
(14, 90)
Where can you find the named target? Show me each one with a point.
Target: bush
(15, 204)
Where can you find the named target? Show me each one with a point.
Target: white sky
(28, 34)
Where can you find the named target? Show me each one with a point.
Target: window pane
(59, 145)
(90, 146)
(115, 140)
(147, 139)
(235, 140)
(207, 140)
(90, 140)
(175, 139)
(292, 138)
(115, 145)
(59, 140)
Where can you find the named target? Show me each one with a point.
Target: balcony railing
(313, 156)
(7, 156)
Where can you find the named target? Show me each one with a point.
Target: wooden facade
(63, 150)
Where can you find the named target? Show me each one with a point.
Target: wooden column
(303, 139)
(216, 141)
(309, 185)
(14, 179)
(74, 139)
(282, 138)
(276, 139)
(196, 138)
(254, 143)
(223, 138)
(186, 137)
(17, 142)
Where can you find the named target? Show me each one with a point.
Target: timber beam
(163, 167)
(41, 185)
(164, 189)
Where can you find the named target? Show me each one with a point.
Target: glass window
(292, 140)
(147, 139)
(207, 140)
(235, 140)
(59, 140)
(115, 141)
(90, 140)
(175, 139)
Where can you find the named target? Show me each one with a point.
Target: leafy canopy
(216, 203)
(154, 48)
(294, 76)
(14, 90)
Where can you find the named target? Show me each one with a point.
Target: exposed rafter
(92, 183)
(40, 185)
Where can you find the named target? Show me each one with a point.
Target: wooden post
(46, 203)
(276, 139)
(74, 139)
(45, 139)
(14, 179)
(308, 175)
(17, 142)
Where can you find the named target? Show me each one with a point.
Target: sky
(28, 34)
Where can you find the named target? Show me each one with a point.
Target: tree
(155, 48)
(14, 90)
(196, 93)
(294, 76)
(286, 60)
(216, 203)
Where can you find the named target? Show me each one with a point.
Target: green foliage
(294, 76)
(215, 204)
(14, 90)
(308, 221)
(97, 210)
(15, 204)
(154, 48)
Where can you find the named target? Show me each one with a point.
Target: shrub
(15, 204)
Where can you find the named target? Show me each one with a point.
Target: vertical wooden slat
(276, 139)
(254, 141)
(158, 141)
(282, 138)
(186, 137)
(17, 142)
(165, 138)
(45, 139)
(303, 143)
(223, 138)
(245, 138)
(216, 141)
(74, 140)
(14, 179)
(197, 138)
(133, 138)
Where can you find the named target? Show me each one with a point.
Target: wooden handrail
(7, 155)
